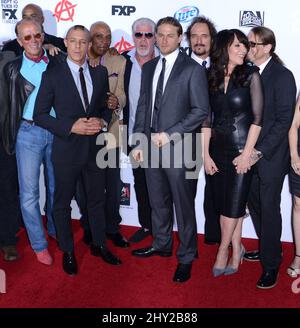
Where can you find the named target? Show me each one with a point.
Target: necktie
(37, 60)
(84, 90)
(158, 96)
(204, 63)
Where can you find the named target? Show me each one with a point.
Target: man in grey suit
(173, 100)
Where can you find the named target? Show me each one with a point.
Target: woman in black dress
(294, 176)
(230, 135)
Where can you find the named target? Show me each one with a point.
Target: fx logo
(9, 14)
(122, 10)
(2, 282)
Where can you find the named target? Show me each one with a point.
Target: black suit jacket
(279, 103)
(185, 99)
(14, 46)
(58, 89)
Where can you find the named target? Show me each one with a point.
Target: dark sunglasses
(147, 35)
(254, 44)
(30, 36)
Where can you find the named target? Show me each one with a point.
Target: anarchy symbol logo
(64, 11)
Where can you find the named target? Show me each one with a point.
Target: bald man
(115, 65)
(35, 12)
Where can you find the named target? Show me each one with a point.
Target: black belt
(28, 121)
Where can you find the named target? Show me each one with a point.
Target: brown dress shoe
(10, 253)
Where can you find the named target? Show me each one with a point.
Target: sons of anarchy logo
(9, 11)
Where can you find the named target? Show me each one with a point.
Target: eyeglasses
(37, 36)
(147, 35)
(254, 44)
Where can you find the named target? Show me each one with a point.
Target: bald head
(101, 39)
(33, 11)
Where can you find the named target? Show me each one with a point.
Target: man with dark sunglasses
(33, 11)
(32, 144)
(143, 37)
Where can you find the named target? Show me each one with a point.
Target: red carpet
(138, 283)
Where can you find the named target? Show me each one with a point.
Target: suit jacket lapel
(267, 71)
(174, 73)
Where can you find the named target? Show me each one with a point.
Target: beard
(199, 50)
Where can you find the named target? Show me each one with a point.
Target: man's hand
(112, 101)
(113, 51)
(160, 139)
(87, 126)
(137, 154)
(52, 49)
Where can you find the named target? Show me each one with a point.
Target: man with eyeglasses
(78, 93)
(115, 64)
(272, 149)
(50, 42)
(32, 144)
(143, 30)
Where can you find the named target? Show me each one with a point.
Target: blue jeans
(33, 147)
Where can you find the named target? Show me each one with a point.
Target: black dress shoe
(183, 272)
(268, 279)
(87, 237)
(105, 254)
(69, 263)
(252, 256)
(150, 251)
(118, 240)
(140, 235)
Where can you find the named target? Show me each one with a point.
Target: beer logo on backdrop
(64, 11)
(122, 10)
(9, 11)
(186, 14)
(251, 18)
(125, 194)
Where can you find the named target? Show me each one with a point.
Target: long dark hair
(267, 36)
(220, 59)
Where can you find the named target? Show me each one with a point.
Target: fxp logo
(186, 14)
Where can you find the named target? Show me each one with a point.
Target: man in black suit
(173, 103)
(273, 149)
(200, 34)
(78, 94)
(50, 41)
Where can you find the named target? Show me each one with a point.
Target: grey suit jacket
(185, 99)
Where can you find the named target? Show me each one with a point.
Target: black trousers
(10, 214)
(93, 180)
(142, 197)
(212, 229)
(264, 207)
(167, 187)
(112, 198)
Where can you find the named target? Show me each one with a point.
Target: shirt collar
(263, 65)
(31, 63)
(171, 58)
(75, 67)
(200, 60)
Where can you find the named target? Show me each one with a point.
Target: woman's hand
(295, 163)
(242, 163)
(210, 166)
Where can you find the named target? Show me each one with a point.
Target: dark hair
(81, 28)
(172, 21)
(202, 20)
(267, 36)
(220, 59)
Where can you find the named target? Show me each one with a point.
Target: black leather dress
(232, 114)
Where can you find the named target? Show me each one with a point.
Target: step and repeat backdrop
(282, 18)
